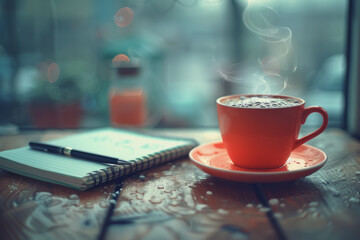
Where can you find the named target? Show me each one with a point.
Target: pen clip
(67, 151)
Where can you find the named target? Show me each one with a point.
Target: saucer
(213, 159)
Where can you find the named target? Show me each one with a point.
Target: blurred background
(154, 63)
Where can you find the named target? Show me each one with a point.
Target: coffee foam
(261, 102)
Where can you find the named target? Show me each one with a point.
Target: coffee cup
(261, 131)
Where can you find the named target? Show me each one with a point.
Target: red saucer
(213, 159)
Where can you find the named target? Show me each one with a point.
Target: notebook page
(52, 163)
(118, 143)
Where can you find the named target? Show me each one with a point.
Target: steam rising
(270, 73)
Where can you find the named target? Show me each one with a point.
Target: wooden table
(179, 201)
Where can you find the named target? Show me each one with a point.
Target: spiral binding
(107, 174)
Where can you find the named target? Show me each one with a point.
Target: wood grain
(195, 204)
(178, 201)
(325, 205)
(31, 209)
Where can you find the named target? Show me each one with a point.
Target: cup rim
(220, 100)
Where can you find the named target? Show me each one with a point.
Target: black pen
(68, 151)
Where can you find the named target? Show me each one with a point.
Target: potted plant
(56, 100)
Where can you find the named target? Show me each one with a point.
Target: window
(66, 55)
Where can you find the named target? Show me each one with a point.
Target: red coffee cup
(264, 137)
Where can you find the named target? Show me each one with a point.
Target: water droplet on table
(167, 173)
(312, 209)
(201, 207)
(274, 201)
(139, 196)
(142, 178)
(174, 203)
(354, 200)
(140, 190)
(40, 196)
(313, 204)
(315, 215)
(222, 211)
(74, 197)
(264, 209)
(89, 205)
(156, 199)
(104, 204)
(249, 205)
(336, 193)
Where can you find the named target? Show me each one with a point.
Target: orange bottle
(127, 97)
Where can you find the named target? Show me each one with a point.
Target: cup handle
(305, 114)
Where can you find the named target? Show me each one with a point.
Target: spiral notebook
(142, 151)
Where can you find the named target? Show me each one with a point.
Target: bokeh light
(124, 17)
(53, 72)
(120, 58)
